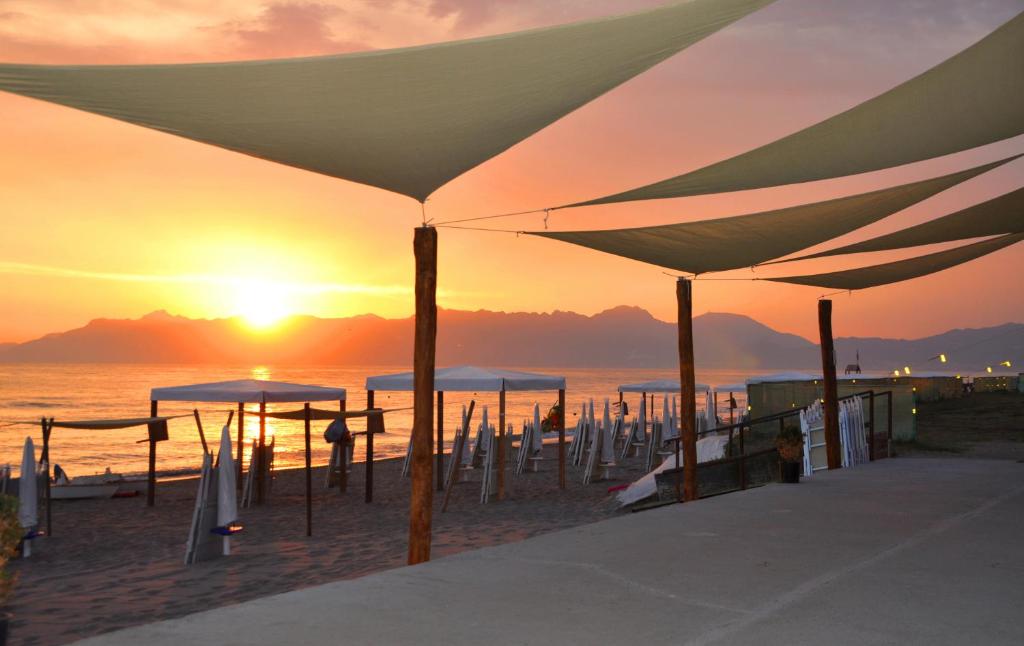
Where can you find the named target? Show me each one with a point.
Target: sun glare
(262, 306)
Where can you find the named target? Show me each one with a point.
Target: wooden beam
(45, 458)
(241, 444)
(440, 441)
(561, 439)
(369, 450)
(687, 388)
(199, 427)
(309, 476)
(501, 444)
(151, 479)
(261, 457)
(421, 500)
(831, 394)
(343, 473)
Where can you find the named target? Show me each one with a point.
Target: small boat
(104, 485)
(73, 491)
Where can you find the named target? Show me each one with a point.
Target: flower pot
(789, 472)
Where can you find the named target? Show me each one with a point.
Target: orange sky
(104, 219)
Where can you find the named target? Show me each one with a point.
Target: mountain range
(619, 337)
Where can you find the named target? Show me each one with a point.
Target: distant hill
(619, 337)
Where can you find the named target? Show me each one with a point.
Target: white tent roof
(745, 240)
(407, 120)
(658, 386)
(470, 379)
(248, 391)
(900, 270)
(969, 100)
(783, 376)
(1001, 215)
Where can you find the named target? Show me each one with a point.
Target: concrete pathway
(901, 551)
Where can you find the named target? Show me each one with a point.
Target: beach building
(996, 383)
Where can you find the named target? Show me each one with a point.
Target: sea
(72, 392)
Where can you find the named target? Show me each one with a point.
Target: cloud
(291, 29)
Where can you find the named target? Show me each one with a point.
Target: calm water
(104, 391)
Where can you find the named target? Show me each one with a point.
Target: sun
(262, 305)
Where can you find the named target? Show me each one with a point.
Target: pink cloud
(291, 29)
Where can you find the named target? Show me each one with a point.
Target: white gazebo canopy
(470, 379)
(658, 386)
(782, 377)
(248, 391)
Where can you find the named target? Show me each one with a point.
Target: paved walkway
(901, 551)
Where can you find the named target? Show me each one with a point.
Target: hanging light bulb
(1007, 364)
(895, 373)
(942, 358)
(988, 369)
(906, 370)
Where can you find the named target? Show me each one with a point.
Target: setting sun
(262, 305)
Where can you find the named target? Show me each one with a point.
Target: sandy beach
(116, 563)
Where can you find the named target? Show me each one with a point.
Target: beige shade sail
(972, 99)
(746, 240)
(1004, 214)
(406, 120)
(894, 272)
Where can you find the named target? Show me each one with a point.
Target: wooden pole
(421, 500)
(261, 458)
(440, 441)
(151, 480)
(369, 450)
(309, 476)
(199, 427)
(561, 439)
(343, 453)
(831, 395)
(241, 443)
(501, 444)
(687, 387)
(45, 458)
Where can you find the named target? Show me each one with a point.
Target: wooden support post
(440, 441)
(369, 450)
(151, 479)
(199, 427)
(561, 439)
(343, 473)
(45, 459)
(501, 444)
(261, 455)
(421, 500)
(687, 387)
(241, 444)
(871, 421)
(831, 394)
(309, 475)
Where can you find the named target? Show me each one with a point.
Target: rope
(448, 226)
(494, 217)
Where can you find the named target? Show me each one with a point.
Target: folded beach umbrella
(227, 503)
(668, 427)
(537, 440)
(709, 409)
(485, 436)
(28, 501)
(608, 441)
(641, 421)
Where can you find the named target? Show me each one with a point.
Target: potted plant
(552, 420)
(10, 536)
(790, 443)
